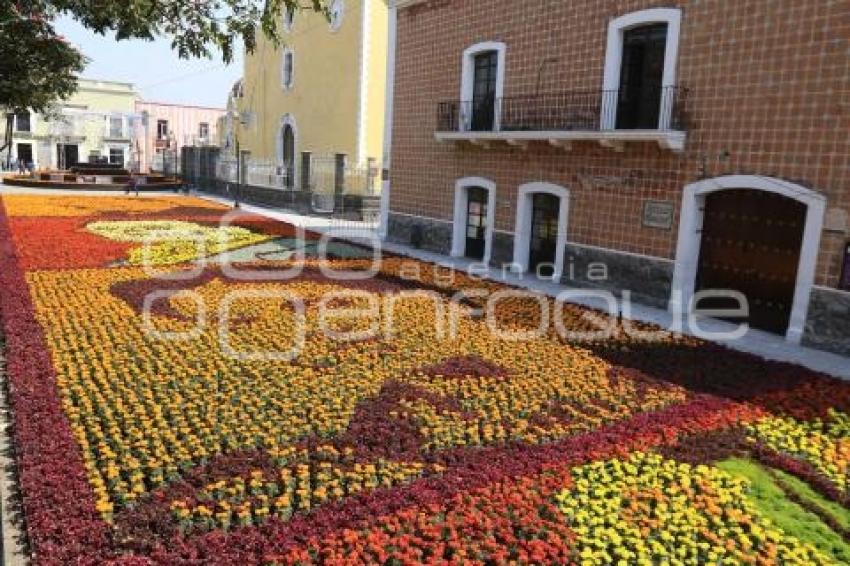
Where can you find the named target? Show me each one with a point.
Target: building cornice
(176, 105)
(401, 4)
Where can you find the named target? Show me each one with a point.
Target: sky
(158, 73)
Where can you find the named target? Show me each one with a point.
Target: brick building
(686, 145)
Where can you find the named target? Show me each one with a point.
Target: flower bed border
(62, 525)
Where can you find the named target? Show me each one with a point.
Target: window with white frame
(336, 12)
(203, 130)
(161, 129)
(639, 82)
(482, 86)
(288, 68)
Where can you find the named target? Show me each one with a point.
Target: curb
(12, 537)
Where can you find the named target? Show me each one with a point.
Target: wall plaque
(844, 282)
(658, 214)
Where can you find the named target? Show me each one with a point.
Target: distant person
(22, 167)
(132, 185)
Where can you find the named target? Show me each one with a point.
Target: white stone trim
(459, 222)
(363, 82)
(614, 56)
(831, 290)
(392, 16)
(468, 71)
(689, 241)
(621, 252)
(614, 139)
(288, 120)
(522, 228)
(440, 220)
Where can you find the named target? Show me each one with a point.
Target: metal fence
(328, 190)
(661, 108)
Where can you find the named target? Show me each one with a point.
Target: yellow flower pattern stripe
(647, 510)
(825, 444)
(174, 241)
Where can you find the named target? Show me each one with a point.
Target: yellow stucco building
(96, 122)
(317, 100)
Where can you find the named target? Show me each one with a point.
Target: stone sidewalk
(756, 342)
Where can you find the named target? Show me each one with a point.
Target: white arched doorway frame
(462, 187)
(522, 228)
(288, 120)
(690, 239)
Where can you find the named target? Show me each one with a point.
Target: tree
(38, 67)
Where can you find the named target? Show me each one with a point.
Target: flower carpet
(142, 436)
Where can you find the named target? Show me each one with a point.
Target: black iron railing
(624, 109)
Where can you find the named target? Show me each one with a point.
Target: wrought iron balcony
(609, 116)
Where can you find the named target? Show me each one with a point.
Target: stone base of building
(648, 279)
(502, 252)
(828, 322)
(420, 233)
(350, 207)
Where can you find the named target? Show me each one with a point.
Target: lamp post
(236, 120)
(238, 172)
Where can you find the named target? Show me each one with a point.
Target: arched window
(288, 144)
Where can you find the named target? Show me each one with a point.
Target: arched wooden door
(751, 243)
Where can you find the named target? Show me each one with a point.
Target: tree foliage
(38, 67)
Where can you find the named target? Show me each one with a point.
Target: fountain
(94, 176)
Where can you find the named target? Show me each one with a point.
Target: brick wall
(769, 95)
